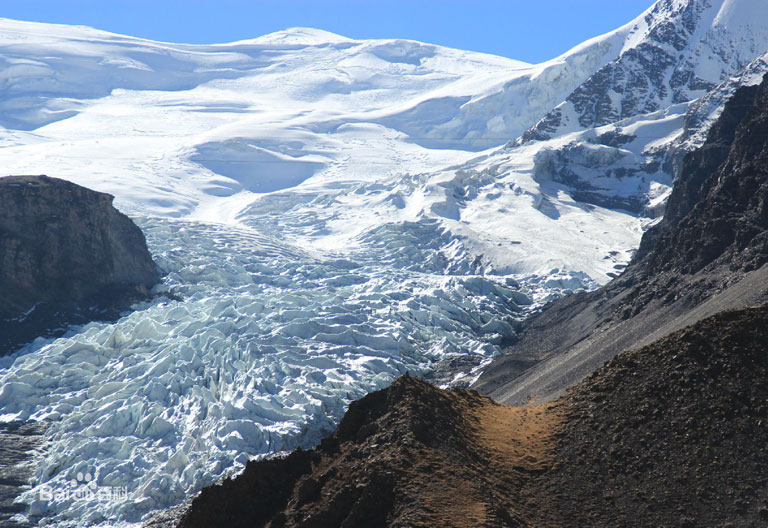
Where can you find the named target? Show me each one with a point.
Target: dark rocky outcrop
(708, 254)
(66, 256)
(19, 442)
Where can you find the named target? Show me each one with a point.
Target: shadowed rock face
(64, 250)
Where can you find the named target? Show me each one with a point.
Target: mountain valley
(333, 218)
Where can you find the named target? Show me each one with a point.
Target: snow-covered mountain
(333, 212)
(243, 133)
(616, 141)
(674, 53)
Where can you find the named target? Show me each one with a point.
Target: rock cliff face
(719, 214)
(709, 253)
(64, 250)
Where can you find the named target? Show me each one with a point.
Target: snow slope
(331, 213)
(111, 102)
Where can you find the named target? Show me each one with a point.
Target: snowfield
(329, 214)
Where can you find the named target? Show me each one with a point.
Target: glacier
(256, 347)
(330, 213)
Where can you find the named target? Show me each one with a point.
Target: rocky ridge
(675, 52)
(408, 455)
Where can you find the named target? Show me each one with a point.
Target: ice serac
(675, 52)
(64, 248)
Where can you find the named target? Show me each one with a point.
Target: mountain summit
(674, 53)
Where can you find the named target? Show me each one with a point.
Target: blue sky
(529, 30)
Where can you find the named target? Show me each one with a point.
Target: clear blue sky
(528, 30)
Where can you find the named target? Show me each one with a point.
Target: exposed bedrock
(66, 256)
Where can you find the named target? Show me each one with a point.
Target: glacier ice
(267, 347)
